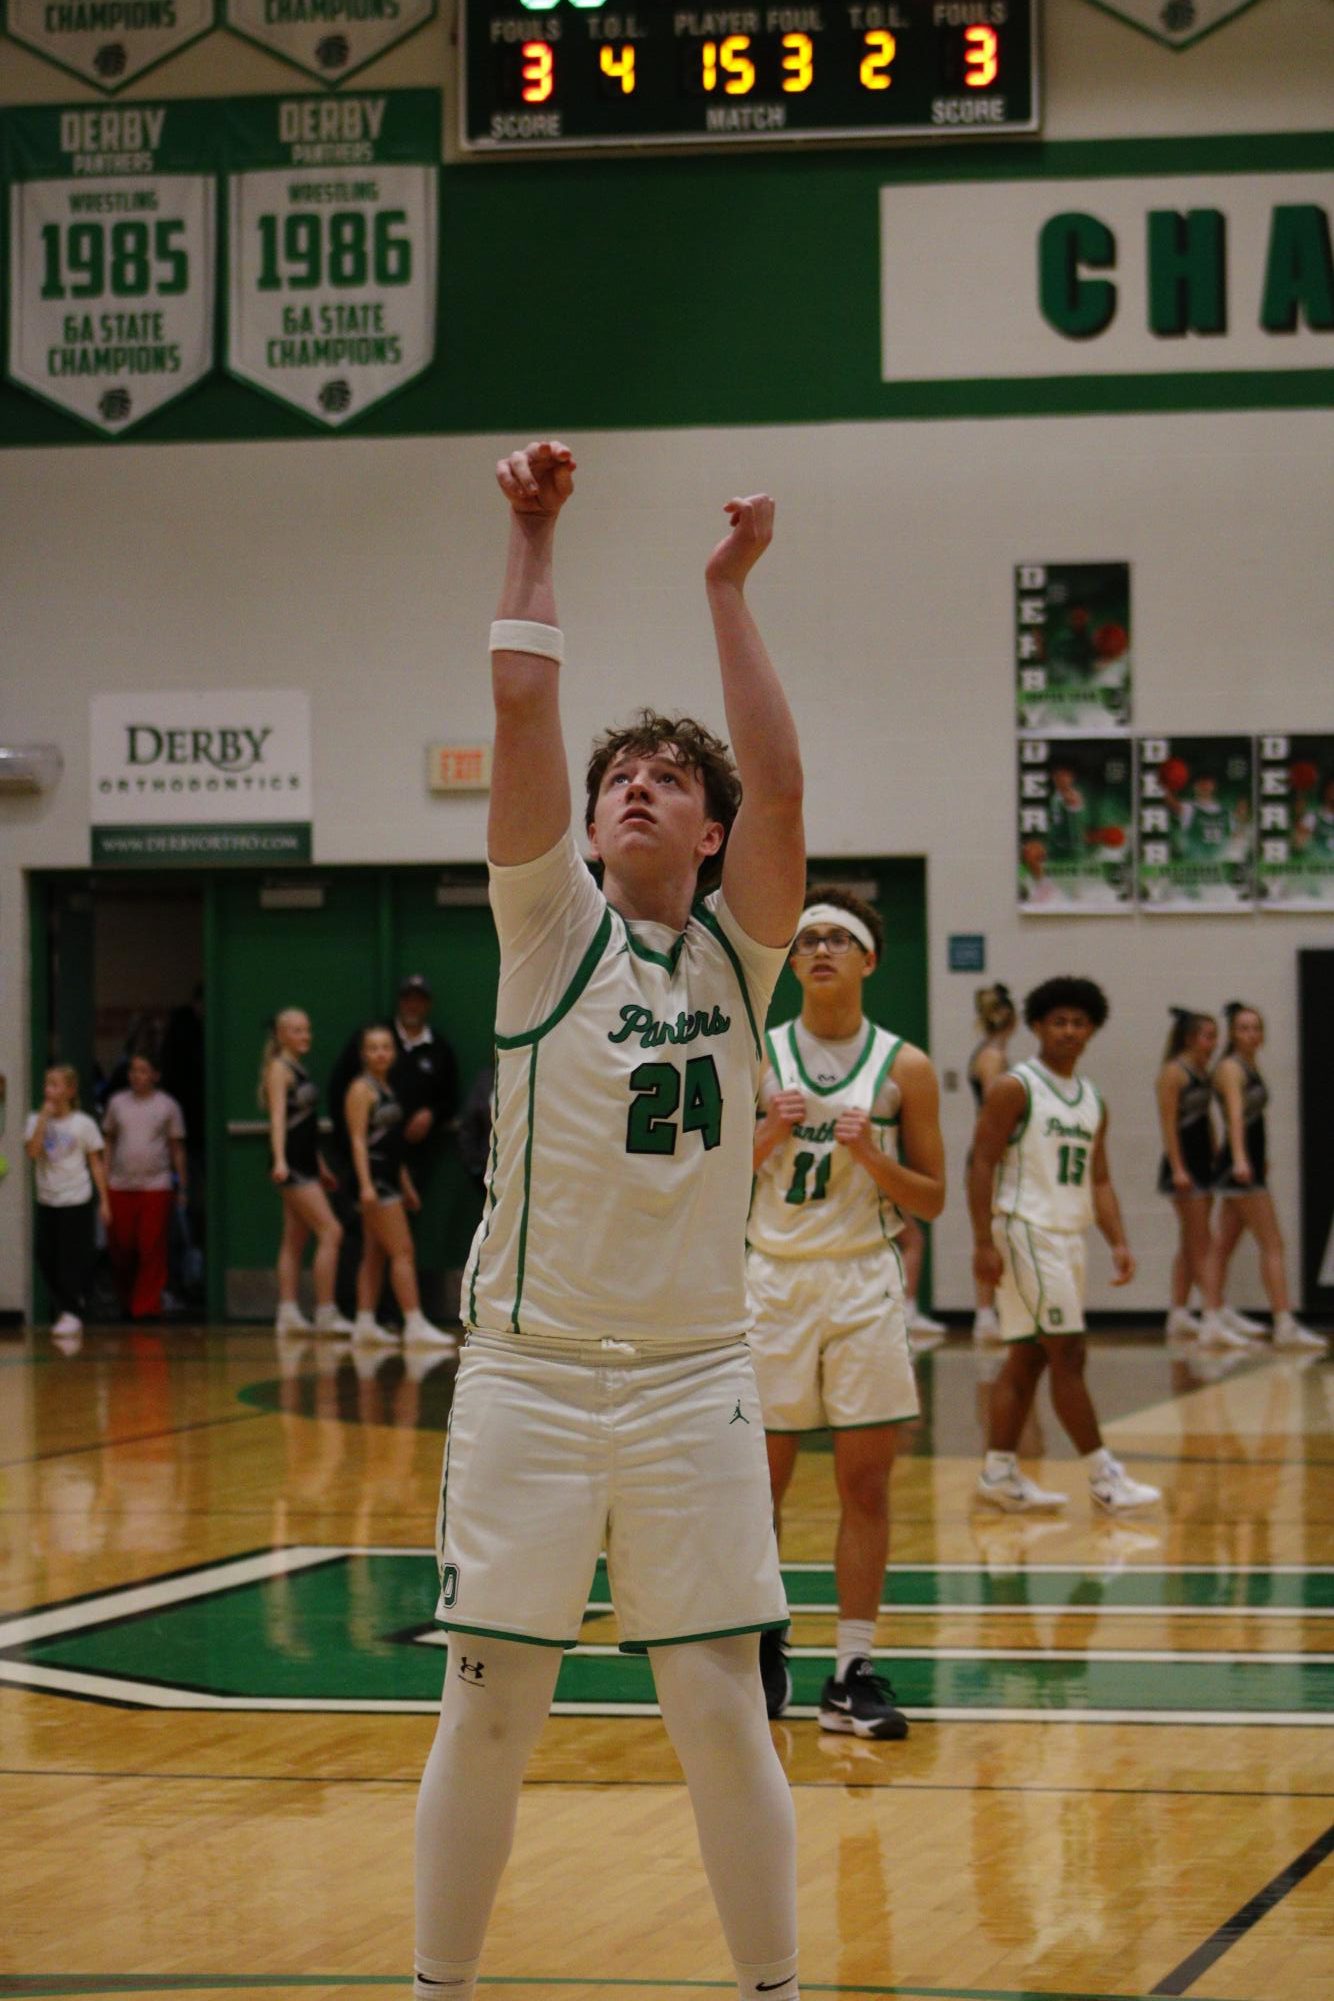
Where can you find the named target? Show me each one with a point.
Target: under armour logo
(738, 1415)
(471, 1671)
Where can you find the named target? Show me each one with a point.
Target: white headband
(829, 913)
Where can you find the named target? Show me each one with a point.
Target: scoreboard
(546, 75)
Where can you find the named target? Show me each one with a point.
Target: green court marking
(316, 1628)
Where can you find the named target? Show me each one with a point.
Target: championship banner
(1076, 821)
(332, 246)
(1296, 865)
(1196, 823)
(112, 250)
(1072, 646)
(108, 43)
(329, 39)
(190, 776)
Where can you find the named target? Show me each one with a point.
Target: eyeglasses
(807, 943)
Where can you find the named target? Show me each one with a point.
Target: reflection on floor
(218, 1666)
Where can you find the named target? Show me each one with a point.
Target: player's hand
(367, 1197)
(786, 1109)
(412, 1201)
(1181, 1181)
(987, 1266)
(1244, 1173)
(752, 531)
(539, 479)
(1123, 1264)
(418, 1126)
(328, 1179)
(104, 1211)
(278, 1173)
(852, 1129)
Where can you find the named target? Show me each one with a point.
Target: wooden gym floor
(217, 1673)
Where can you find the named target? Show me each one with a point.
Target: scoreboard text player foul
(544, 74)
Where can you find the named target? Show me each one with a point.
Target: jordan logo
(471, 1671)
(738, 1415)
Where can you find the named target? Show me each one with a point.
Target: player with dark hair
(1039, 1177)
(1241, 1179)
(1186, 1171)
(606, 1395)
(849, 1139)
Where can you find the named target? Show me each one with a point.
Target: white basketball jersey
(622, 1134)
(811, 1198)
(1045, 1175)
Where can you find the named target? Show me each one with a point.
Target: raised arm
(530, 784)
(764, 871)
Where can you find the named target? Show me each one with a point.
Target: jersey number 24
(651, 1126)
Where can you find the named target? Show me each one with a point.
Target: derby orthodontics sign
(188, 779)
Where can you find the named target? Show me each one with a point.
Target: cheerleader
(1186, 1171)
(385, 1190)
(1241, 1180)
(996, 1019)
(289, 1095)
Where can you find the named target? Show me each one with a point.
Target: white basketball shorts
(1042, 1282)
(830, 1341)
(662, 1463)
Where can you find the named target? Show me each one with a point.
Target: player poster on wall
(1296, 785)
(1076, 816)
(111, 255)
(1196, 823)
(108, 43)
(328, 39)
(332, 246)
(1072, 646)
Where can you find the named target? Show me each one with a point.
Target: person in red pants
(145, 1138)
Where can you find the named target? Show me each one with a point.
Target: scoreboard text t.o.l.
(539, 75)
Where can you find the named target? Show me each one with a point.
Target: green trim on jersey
(1042, 1290)
(689, 1639)
(1022, 1126)
(527, 1192)
(828, 1090)
(1053, 1083)
(711, 924)
(490, 1190)
(668, 960)
(885, 1069)
(582, 975)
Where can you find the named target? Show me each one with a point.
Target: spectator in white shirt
(65, 1148)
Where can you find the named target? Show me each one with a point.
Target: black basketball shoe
(774, 1671)
(862, 1704)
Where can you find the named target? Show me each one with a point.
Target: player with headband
(849, 1138)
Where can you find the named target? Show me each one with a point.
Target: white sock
(713, 1707)
(365, 1318)
(412, 1321)
(771, 1976)
(326, 1315)
(997, 1464)
(444, 1979)
(1100, 1463)
(1284, 1321)
(854, 1639)
(910, 1306)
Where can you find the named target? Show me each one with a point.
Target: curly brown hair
(856, 906)
(696, 747)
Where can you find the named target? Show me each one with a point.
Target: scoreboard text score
(540, 75)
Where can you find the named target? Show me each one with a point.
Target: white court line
(125, 1601)
(140, 1695)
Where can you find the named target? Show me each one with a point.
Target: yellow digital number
(538, 73)
(881, 49)
(981, 57)
(620, 64)
(737, 66)
(798, 62)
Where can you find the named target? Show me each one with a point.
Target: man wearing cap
(848, 1139)
(425, 1080)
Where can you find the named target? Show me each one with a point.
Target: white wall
(365, 571)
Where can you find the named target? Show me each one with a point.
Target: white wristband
(525, 635)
